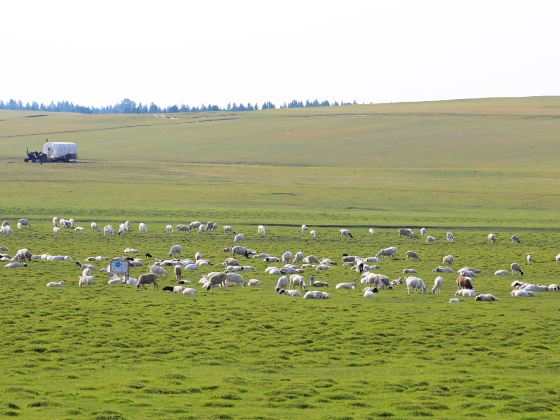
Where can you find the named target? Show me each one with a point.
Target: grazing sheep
(293, 293)
(371, 231)
(201, 229)
(454, 300)
(169, 228)
(449, 259)
(412, 254)
(316, 294)
(557, 259)
(346, 232)
(409, 271)
(530, 259)
(23, 223)
(211, 226)
(313, 234)
(406, 232)
(238, 238)
(228, 229)
(142, 227)
(254, 282)
(501, 273)
(304, 228)
(311, 259)
(486, 298)
(415, 283)
(214, 279)
(86, 281)
(261, 230)
(55, 221)
(94, 226)
(422, 231)
(515, 238)
(282, 282)
(108, 230)
(298, 257)
(464, 282)
(516, 268)
(430, 239)
(286, 256)
(351, 285)
(370, 292)
(553, 287)
(450, 236)
(55, 230)
(79, 229)
(144, 279)
(234, 278)
(438, 284)
(157, 270)
(182, 227)
(522, 293)
(387, 252)
(55, 284)
(15, 265)
(466, 292)
(122, 229)
(130, 251)
(23, 255)
(175, 250)
(297, 280)
(492, 238)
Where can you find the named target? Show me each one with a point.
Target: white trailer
(60, 151)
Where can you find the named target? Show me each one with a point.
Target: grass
(114, 352)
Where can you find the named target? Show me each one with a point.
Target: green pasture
(116, 352)
(469, 166)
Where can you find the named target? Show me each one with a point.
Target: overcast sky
(195, 52)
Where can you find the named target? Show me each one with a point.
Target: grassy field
(103, 352)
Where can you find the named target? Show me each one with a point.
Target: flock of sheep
(290, 275)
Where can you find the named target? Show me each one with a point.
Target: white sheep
(108, 230)
(316, 294)
(175, 249)
(297, 280)
(55, 284)
(228, 229)
(55, 221)
(15, 265)
(492, 238)
(254, 282)
(79, 229)
(415, 283)
(158, 270)
(142, 227)
(501, 273)
(286, 256)
(292, 293)
(371, 231)
(23, 223)
(23, 254)
(387, 252)
(522, 293)
(55, 230)
(409, 271)
(438, 284)
(86, 281)
(530, 259)
(369, 292)
(422, 231)
(315, 283)
(413, 255)
(189, 291)
(235, 278)
(298, 257)
(406, 232)
(313, 234)
(304, 228)
(454, 300)
(261, 230)
(94, 226)
(449, 259)
(450, 236)
(282, 282)
(201, 229)
(430, 239)
(466, 292)
(122, 229)
(486, 298)
(169, 228)
(351, 285)
(238, 238)
(557, 259)
(346, 232)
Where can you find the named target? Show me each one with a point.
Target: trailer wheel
(26, 159)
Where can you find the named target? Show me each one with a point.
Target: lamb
(55, 230)
(415, 283)
(387, 252)
(108, 230)
(254, 282)
(370, 292)
(271, 259)
(189, 291)
(316, 294)
(130, 251)
(515, 238)
(346, 232)
(15, 265)
(449, 259)
(430, 239)
(450, 236)
(174, 289)
(169, 228)
(315, 283)
(114, 280)
(86, 281)
(55, 284)
(304, 228)
(228, 229)
(293, 293)
(238, 238)
(175, 250)
(553, 287)
(94, 226)
(486, 298)
(501, 273)
(23, 255)
(454, 300)
(557, 258)
(261, 230)
(297, 280)
(492, 238)
(313, 234)
(144, 279)
(23, 223)
(522, 293)
(79, 229)
(530, 259)
(55, 221)
(438, 284)
(178, 270)
(275, 271)
(409, 271)
(406, 232)
(466, 292)
(371, 231)
(516, 268)
(143, 228)
(351, 285)
(412, 254)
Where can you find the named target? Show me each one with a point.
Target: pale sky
(174, 52)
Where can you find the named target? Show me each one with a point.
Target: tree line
(128, 106)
